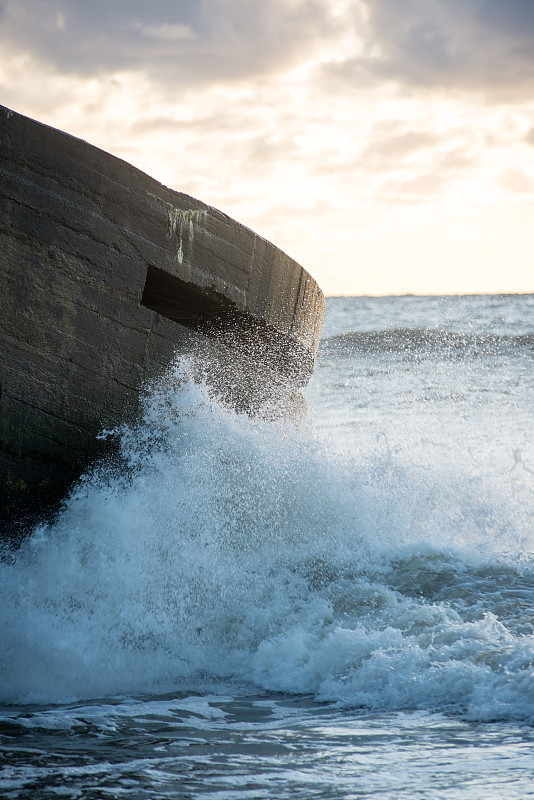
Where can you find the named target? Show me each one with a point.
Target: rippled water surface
(262, 746)
(250, 610)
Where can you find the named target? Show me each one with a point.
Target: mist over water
(380, 560)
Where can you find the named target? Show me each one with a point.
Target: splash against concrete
(106, 275)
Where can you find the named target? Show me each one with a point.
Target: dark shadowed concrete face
(106, 274)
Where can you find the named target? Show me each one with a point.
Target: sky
(386, 145)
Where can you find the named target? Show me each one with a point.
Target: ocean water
(255, 609)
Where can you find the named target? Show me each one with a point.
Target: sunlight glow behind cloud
(388, 147)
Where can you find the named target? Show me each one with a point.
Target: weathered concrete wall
(91, 249)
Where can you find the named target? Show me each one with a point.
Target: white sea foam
(234, 549)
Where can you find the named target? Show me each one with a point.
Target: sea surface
(254, 609)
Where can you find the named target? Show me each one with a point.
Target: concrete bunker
(106, 276)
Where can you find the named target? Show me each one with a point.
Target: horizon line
(434, 294)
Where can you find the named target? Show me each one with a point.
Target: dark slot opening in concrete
(185, 303)
(207, 311)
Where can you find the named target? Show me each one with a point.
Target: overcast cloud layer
(386, 144)
(471, 44)
(172, 40)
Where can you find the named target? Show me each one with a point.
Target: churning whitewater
(381, 558)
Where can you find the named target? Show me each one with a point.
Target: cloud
(473, 45)
(389, 147)
(166, 31)
(517, 182)
(174, 41)
(470, 45)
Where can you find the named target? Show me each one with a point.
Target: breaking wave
(231, 549)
